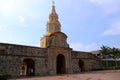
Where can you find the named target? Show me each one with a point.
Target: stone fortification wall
(12, 56)
(84, 61)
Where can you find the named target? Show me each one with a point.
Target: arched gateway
(60, 65)
(27, 67)
(81, 66)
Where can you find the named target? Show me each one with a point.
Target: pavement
(94, 75)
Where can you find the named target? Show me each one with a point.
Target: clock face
(51, 28)
(53, 19)
(57, 28)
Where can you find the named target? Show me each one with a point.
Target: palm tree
(105, 53)
(115, 54)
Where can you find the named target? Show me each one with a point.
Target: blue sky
(89, 24)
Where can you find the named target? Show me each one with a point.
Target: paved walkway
(96, 75)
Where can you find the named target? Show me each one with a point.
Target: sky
(89, 24)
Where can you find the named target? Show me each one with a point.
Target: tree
(115, 54)
(105, 53)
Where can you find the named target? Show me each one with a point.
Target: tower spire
(53, 7)
(53, 2)
(53, 25)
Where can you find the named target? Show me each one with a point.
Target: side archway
(28, 67)
(60, 64)
(81, 66)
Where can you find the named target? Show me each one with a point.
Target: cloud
(81, 47)
(37, 45)
(3, 28)
(5, 31)
(107, 7)
(7, 7)
(21, 19)
(114, 29)
(102, 1)
(6, 34)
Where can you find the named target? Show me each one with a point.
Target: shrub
(106, 68)
(4, 76)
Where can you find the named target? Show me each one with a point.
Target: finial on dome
(53, 7)
(53, 2)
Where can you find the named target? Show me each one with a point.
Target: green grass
(4, 76)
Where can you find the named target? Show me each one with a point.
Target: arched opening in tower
(28, 68)
(81, 66)
(60, 65)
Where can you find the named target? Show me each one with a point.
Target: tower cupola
(54, 36)
(53, 25)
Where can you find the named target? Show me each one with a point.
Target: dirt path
(98, 75)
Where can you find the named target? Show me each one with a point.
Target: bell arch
(60, 64)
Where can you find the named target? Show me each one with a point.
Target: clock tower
(54, 36)
(53, 25)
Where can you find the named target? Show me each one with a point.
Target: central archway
(60, 65)
(28, 67)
